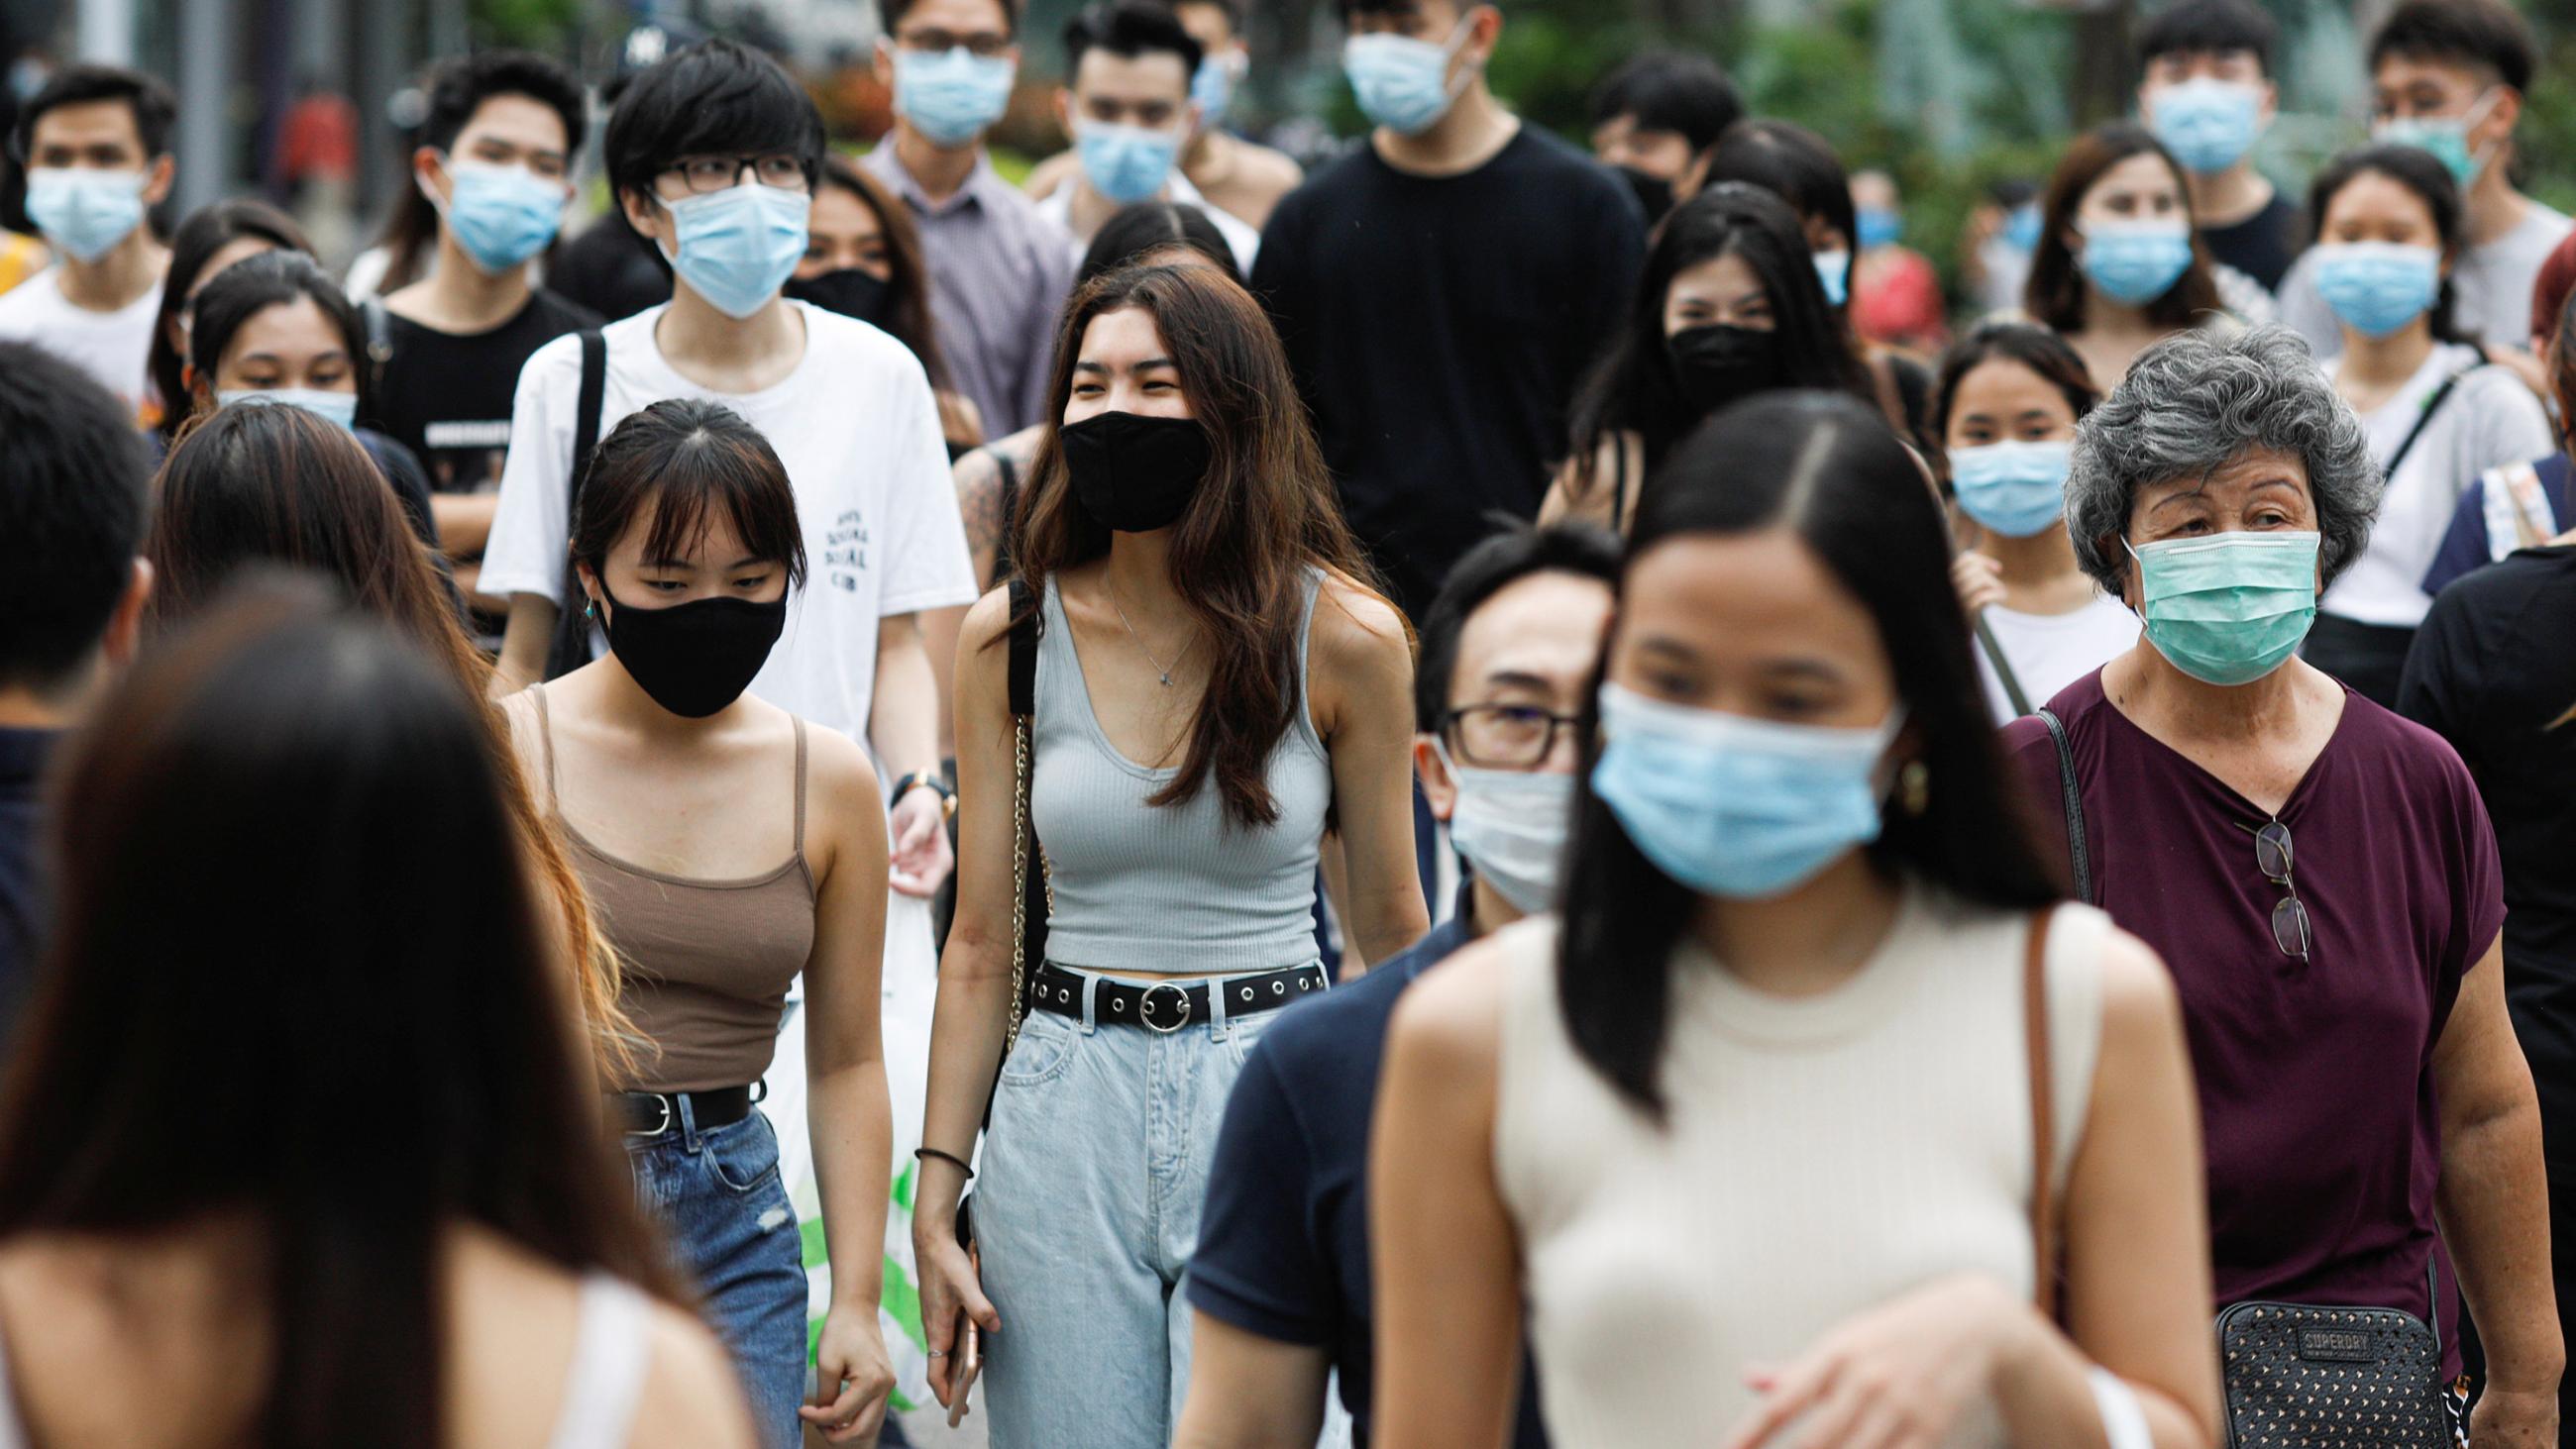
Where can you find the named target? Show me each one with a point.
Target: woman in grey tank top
(1214, 689)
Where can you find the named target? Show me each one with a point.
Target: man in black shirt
(72, 508)
(2207, 93)
(1442, 289)
(496, 160)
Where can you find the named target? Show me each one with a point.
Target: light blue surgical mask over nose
(2228, 608)
(336, 407)
(2022, 227)
(1737, 807)
(1401, 83)
(2135, 262)
(2015, 489)
(951, 96)
(738, 246)
(1125, 164)
(1878, 226)
(1212, 86)
(82, 211)
(2447, 137)
(499, 215)
(1833, 269)
(2376, 288)
(2207, 123)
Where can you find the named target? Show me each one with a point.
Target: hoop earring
(1914, 787)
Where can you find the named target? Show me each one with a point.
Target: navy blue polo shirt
(1283, 1245)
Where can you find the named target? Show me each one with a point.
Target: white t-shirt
(2490, 420)
(114, 347)
(2490, 286)
(859, 434)
(2051, 651)
(1057, 207)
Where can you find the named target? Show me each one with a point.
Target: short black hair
(1792, 163)
(251, 286)
(458, 88)
(2485, 33)
(155, 109)
(1490, 567)
(2209, 27)
(1667, 91)
(1130, 28)
(890, 14)
(716, 97)
(72, 512)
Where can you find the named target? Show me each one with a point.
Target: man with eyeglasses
(1280, 1278)
(998, 269)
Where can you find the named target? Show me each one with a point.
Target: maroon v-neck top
(2316, 1081)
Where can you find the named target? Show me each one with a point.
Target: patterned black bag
(2305, 1377)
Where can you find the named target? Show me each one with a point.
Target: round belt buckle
(1145, 1007)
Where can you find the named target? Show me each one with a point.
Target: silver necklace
(1140, 639)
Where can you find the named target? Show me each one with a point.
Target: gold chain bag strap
(1029, 904)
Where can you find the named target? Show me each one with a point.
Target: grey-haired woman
(2319, 873)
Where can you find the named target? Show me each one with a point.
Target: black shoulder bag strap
(1994, 649)
(2424, 419)
(1007, 505)
(1028, 860)
(380, 343)
(2077, 856)
(570, 648)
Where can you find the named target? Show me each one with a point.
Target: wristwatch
(936, 785)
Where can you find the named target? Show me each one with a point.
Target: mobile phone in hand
(970, 1364)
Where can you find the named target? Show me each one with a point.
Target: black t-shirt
(1283, 1247)
(1438, 327)
(608, 270)
(2492, 668)
(22, 766)
(447, 397)
(2262, 245)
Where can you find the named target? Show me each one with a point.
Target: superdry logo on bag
(2335, 1345)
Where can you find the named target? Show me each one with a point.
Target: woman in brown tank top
(727, 846)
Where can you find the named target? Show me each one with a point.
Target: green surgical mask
(2447, 137)
(2229, 608)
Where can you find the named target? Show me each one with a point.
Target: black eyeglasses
(2290, 916)
(705, 174)
(1504, 736)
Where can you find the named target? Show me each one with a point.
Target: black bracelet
(928, 1152)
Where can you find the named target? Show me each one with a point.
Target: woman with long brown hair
(257, 484)
(304, 1141)
(1212, 689)
(2118, 265)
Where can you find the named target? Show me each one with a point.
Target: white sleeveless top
(611, 1349)
(1822, 1156)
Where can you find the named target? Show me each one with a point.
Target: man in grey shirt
(2450, 76)
(999, 271)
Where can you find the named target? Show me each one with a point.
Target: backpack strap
(570, 648)
(2424, 419)
(380, 342)
(2077, 855)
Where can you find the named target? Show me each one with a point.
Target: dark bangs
(688, 461)
(715, 98)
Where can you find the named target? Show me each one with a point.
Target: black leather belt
(1167, 1006)
(650, 1114)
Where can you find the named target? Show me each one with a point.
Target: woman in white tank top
(298, 1146)
(1761, 1134)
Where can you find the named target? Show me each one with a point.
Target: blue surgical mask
(82, 211)
(1401, 83)
(2022, 227)
(1834, 270)
(2014, 489)
(1737, 807)
(2447, 137)
(1879, 226)
(2228, 608)
(2207, 123)
(2135, 262)
(1212, 87)
(500, 215)
(337, 407)
(738, 246)
(2376, 288)
(1125, 164)
(951, 95)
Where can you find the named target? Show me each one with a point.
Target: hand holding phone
(970, 1364)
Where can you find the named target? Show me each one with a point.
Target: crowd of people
(592, 852)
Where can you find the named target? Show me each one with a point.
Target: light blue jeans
(1087, 1210)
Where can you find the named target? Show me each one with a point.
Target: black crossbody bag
(2297, 1374)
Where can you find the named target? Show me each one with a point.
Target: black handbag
(2302, 1375)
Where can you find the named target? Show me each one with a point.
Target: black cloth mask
(1136, 474)
(850, 292)
(1719, 363)
(1653, 192)
(694, 658)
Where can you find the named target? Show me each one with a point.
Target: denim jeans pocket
(1045, 1046)
(742, 1155)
